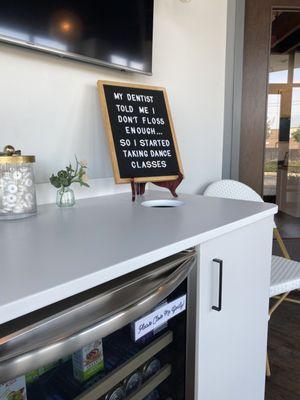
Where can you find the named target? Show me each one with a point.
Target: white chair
(285, 273)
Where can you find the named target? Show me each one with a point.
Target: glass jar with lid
(17, 188)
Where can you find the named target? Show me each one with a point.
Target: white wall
(49, 106)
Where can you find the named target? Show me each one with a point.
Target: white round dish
(162, 203)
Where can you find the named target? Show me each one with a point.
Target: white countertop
(61, 252)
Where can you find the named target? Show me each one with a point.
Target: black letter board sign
(140, 132)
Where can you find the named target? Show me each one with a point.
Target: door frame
(257, 42)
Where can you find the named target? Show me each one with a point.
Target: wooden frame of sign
(110, 135)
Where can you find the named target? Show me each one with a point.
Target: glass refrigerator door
(144, 359)
(118, 365)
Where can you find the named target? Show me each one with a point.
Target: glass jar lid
(12, 156)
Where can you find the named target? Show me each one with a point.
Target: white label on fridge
(159, 317)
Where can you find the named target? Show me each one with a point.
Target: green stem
(61, 196)
(76, 169)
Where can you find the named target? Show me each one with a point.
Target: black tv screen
(114, 33)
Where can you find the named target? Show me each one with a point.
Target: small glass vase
(65, 197)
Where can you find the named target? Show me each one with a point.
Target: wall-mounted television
(114, 33)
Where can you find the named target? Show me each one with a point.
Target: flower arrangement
(65, 178)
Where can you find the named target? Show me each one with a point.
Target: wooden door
(232, 342)
(257, 45)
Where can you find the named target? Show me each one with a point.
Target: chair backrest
(231, 189)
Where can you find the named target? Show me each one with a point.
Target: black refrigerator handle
(219, 306)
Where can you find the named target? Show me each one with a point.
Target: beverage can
(133, 382)
(152, 396)
(117, 394)
(151, 368)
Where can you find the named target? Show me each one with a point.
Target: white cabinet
(231, 343)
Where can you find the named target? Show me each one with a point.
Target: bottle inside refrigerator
(144, 359)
